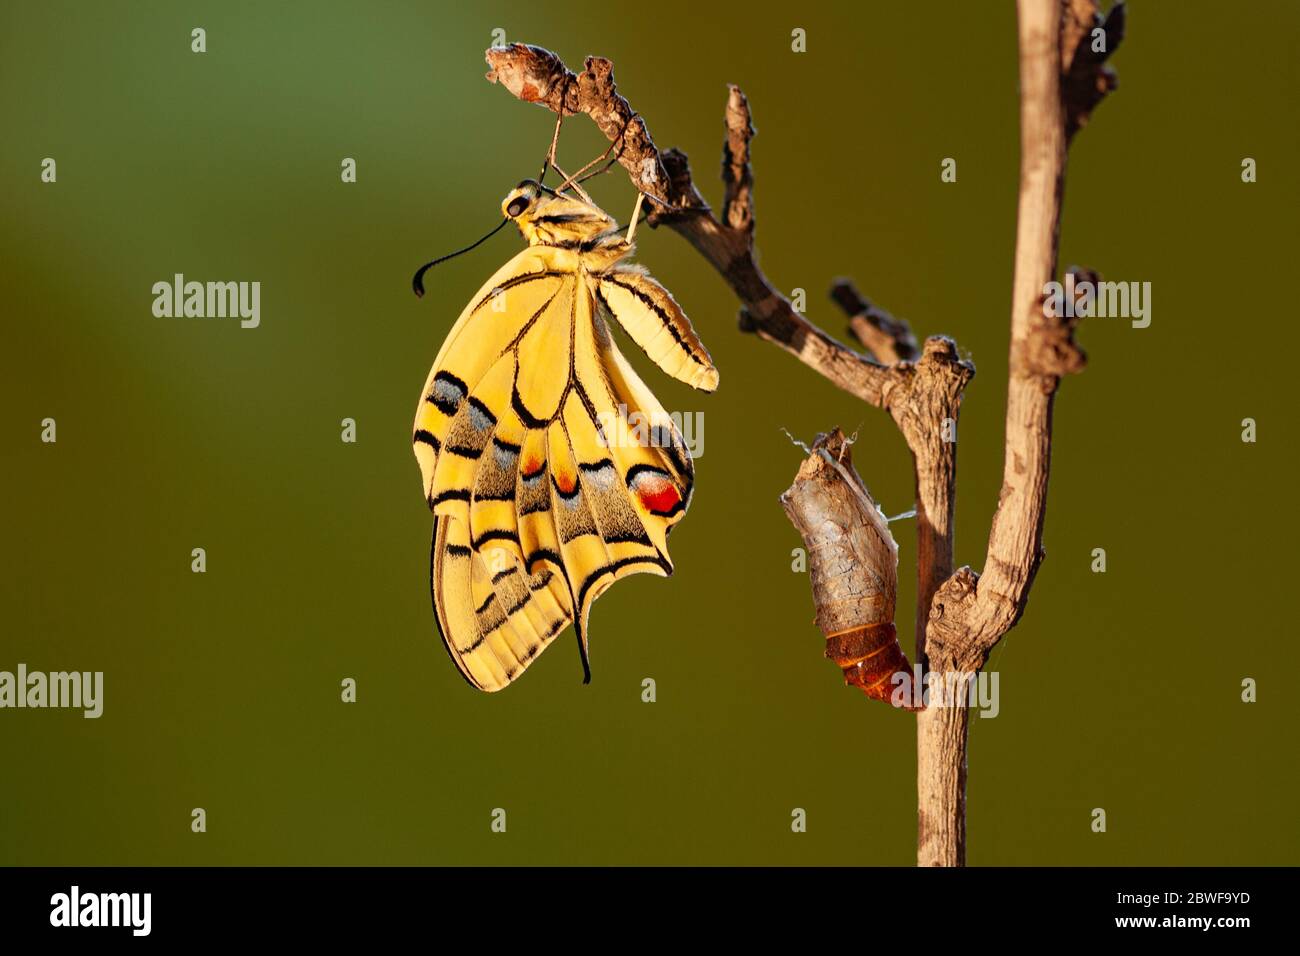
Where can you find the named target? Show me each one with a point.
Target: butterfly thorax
(563, 222)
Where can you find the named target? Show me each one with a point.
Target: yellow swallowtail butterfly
(543, 488)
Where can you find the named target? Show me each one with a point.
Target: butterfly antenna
(417, 283)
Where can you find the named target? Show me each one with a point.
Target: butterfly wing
(494, 318)
(494, 622)
(654, 320)
(550, 467)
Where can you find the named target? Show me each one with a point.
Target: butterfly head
(520, 200)
(545, 217)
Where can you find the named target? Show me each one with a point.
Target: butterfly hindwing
(493, 618)
(654, 320)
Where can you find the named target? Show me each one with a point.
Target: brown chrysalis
(852, 563)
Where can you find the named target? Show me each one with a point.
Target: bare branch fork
(960, 615)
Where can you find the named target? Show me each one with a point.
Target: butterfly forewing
(497, 316)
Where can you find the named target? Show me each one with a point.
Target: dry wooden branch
(538, 76)
(888, 339)
(1086, 79)
(970, 612)
(959, 616)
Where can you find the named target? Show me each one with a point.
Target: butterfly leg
(577, 178)
(604, 169)
(549, 161)
(576, 182)
(636, 212)
(571, 181)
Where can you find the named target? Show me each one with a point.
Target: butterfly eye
(517, 206)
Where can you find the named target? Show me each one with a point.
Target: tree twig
(539, 76)
(889, 340)
(971, 612)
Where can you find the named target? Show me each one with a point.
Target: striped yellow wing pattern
(551, 469)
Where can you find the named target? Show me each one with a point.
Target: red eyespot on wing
(656, 491)
(665, 499)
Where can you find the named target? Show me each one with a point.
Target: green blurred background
(1118, 690)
